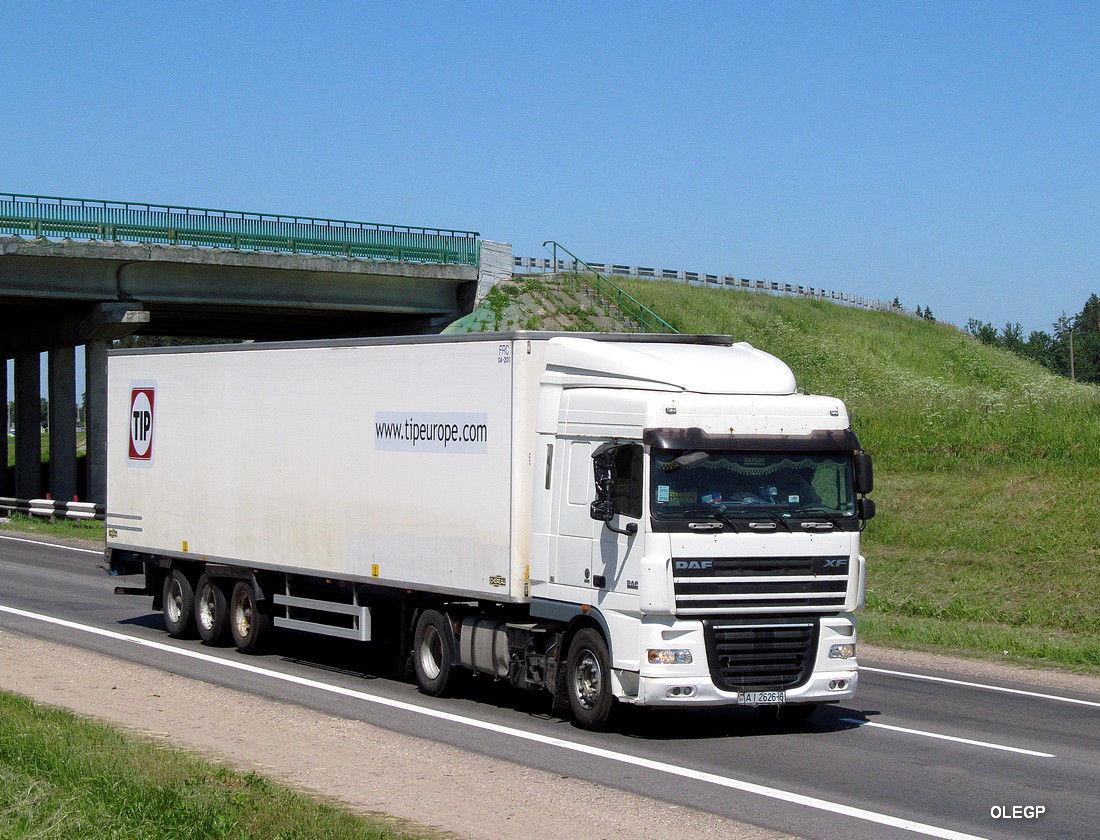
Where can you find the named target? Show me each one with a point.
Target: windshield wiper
(711, 512)
(831, 515)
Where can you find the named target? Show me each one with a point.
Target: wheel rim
(174, 605)
(206, 607)
(242, 617)
(431, 652)
(588, 680)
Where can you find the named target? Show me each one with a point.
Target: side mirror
(603, 509)
(866, 509)
(864, 473)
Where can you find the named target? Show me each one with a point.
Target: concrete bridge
(77, 273)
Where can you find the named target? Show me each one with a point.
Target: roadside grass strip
(63, 777)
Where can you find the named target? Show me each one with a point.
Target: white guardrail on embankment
(53, 507)
(720, 281)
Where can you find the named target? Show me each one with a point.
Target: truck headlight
(670, 657)
(847, 651)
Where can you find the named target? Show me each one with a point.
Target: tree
(1088, 321)
(1012, 338)
(985, 332)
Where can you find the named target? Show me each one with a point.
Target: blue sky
(942, 153)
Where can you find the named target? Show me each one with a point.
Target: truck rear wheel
(179, 605)
(211, 611)
(589, 680)
(433, 653)
(250, 626)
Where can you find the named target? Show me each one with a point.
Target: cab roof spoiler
(822, 440)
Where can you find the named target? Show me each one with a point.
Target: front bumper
(824, 680)
(825, 687)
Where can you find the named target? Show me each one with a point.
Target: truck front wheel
(249, 624)
(179, 605)
(589, 680)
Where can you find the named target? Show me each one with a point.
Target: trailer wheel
(211, 611)
(178, 598)
(433, 653)
(250, 625)
(589, 680)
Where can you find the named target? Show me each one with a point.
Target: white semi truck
(641, 519)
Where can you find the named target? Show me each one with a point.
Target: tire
(589, 680)
(178, 599)
(250, 625)
(433, 654)
(211, 611)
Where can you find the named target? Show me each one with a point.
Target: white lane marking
(52, 545)
(983, 685)
(948, 737)
(548, 740)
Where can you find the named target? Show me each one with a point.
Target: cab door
(618, 547)
(577, 529)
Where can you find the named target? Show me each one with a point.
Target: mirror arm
(630, 530)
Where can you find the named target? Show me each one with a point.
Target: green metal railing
(646, 318)
(124, 221)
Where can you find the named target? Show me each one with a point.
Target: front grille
(761, 654)
(724, 585)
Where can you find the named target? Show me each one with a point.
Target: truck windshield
(700, 484)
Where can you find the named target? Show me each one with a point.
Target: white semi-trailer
(653, 520)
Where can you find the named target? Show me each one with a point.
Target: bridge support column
(5, 490)
(62, 384)
(28, 425)
(95, 423)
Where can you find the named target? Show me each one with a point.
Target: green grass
(65, 777)
(83, 529)
(986, 469)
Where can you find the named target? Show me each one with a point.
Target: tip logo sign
(141, 423)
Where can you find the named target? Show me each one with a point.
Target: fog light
(838, 685)
(681, 691)
(846, 651)
(670, 657)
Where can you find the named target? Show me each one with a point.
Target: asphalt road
(919, 753)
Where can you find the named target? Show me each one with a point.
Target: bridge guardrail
(54, 507)
(120, 221)
(695, 278)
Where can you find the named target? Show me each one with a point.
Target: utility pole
(1071, 371)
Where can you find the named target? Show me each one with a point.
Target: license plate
(761, 698)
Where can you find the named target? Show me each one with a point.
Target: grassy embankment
(986, 465)
(63, 777)
(986, 539)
